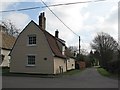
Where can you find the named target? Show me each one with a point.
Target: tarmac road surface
(88, 78)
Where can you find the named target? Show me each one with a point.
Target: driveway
(89, 78)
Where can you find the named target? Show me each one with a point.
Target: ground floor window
(31, 60)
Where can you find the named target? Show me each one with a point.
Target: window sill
(31, 45)
(30, 65)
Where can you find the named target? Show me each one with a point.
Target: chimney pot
(56, 33)
(42, 21)
(43, 14)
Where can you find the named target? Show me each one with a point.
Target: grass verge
(105, 73)
(6, 72)
(73, 72)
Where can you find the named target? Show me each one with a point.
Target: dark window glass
(31, 60)
(32, 39)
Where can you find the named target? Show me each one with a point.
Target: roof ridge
(46, 31)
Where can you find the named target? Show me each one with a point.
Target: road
(89, 78)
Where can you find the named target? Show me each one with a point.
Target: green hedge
(104, 72)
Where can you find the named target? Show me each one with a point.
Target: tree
(84, 51)
(96, 57)
(91, 57)
(80, 57)
(105, 46)
(73, 50)
(10, 28)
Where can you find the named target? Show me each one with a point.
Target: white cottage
(37, 51)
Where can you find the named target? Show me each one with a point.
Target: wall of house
(59, 65)
(70, 64)
(41, 51)
(5, 61)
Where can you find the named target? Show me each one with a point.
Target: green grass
(103, 72)
(6, 72)
(72, 72)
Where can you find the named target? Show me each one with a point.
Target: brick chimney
(42, 21)
(56, 33)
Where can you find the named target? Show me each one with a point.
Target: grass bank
(105, 73)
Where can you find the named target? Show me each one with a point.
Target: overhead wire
(54, 5)
(59, 18)
(47, 6)
(22, 9)
(72, 3)
(62, 22)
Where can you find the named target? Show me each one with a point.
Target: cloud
(110, 24)
(74, 17)
(5, 4)
(20, 20)
(70, 15)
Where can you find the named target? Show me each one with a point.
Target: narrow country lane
(89, 78)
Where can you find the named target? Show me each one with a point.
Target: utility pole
(79, 45)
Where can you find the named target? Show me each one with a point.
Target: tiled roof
(53, 45)
(52, 41)
(7, 40)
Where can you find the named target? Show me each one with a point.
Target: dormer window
(32, 39)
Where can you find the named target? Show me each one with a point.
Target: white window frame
(28, 40)
(28, 61)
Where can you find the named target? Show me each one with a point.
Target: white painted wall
(6, 61)
(70, 64)
(59, 62)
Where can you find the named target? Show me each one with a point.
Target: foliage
(103, 72)
(80, 57)
(10, 28)
(84, 52)
(73, 50)
(105, 46)
(91, 57)
(72, 72)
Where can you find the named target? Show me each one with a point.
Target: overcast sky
(85, 19)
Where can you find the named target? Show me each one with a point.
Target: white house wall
(70, 64)
(5, 62)
(41, 51)
(59, 62)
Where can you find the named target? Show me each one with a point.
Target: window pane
(32, 39)
(31, 60)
